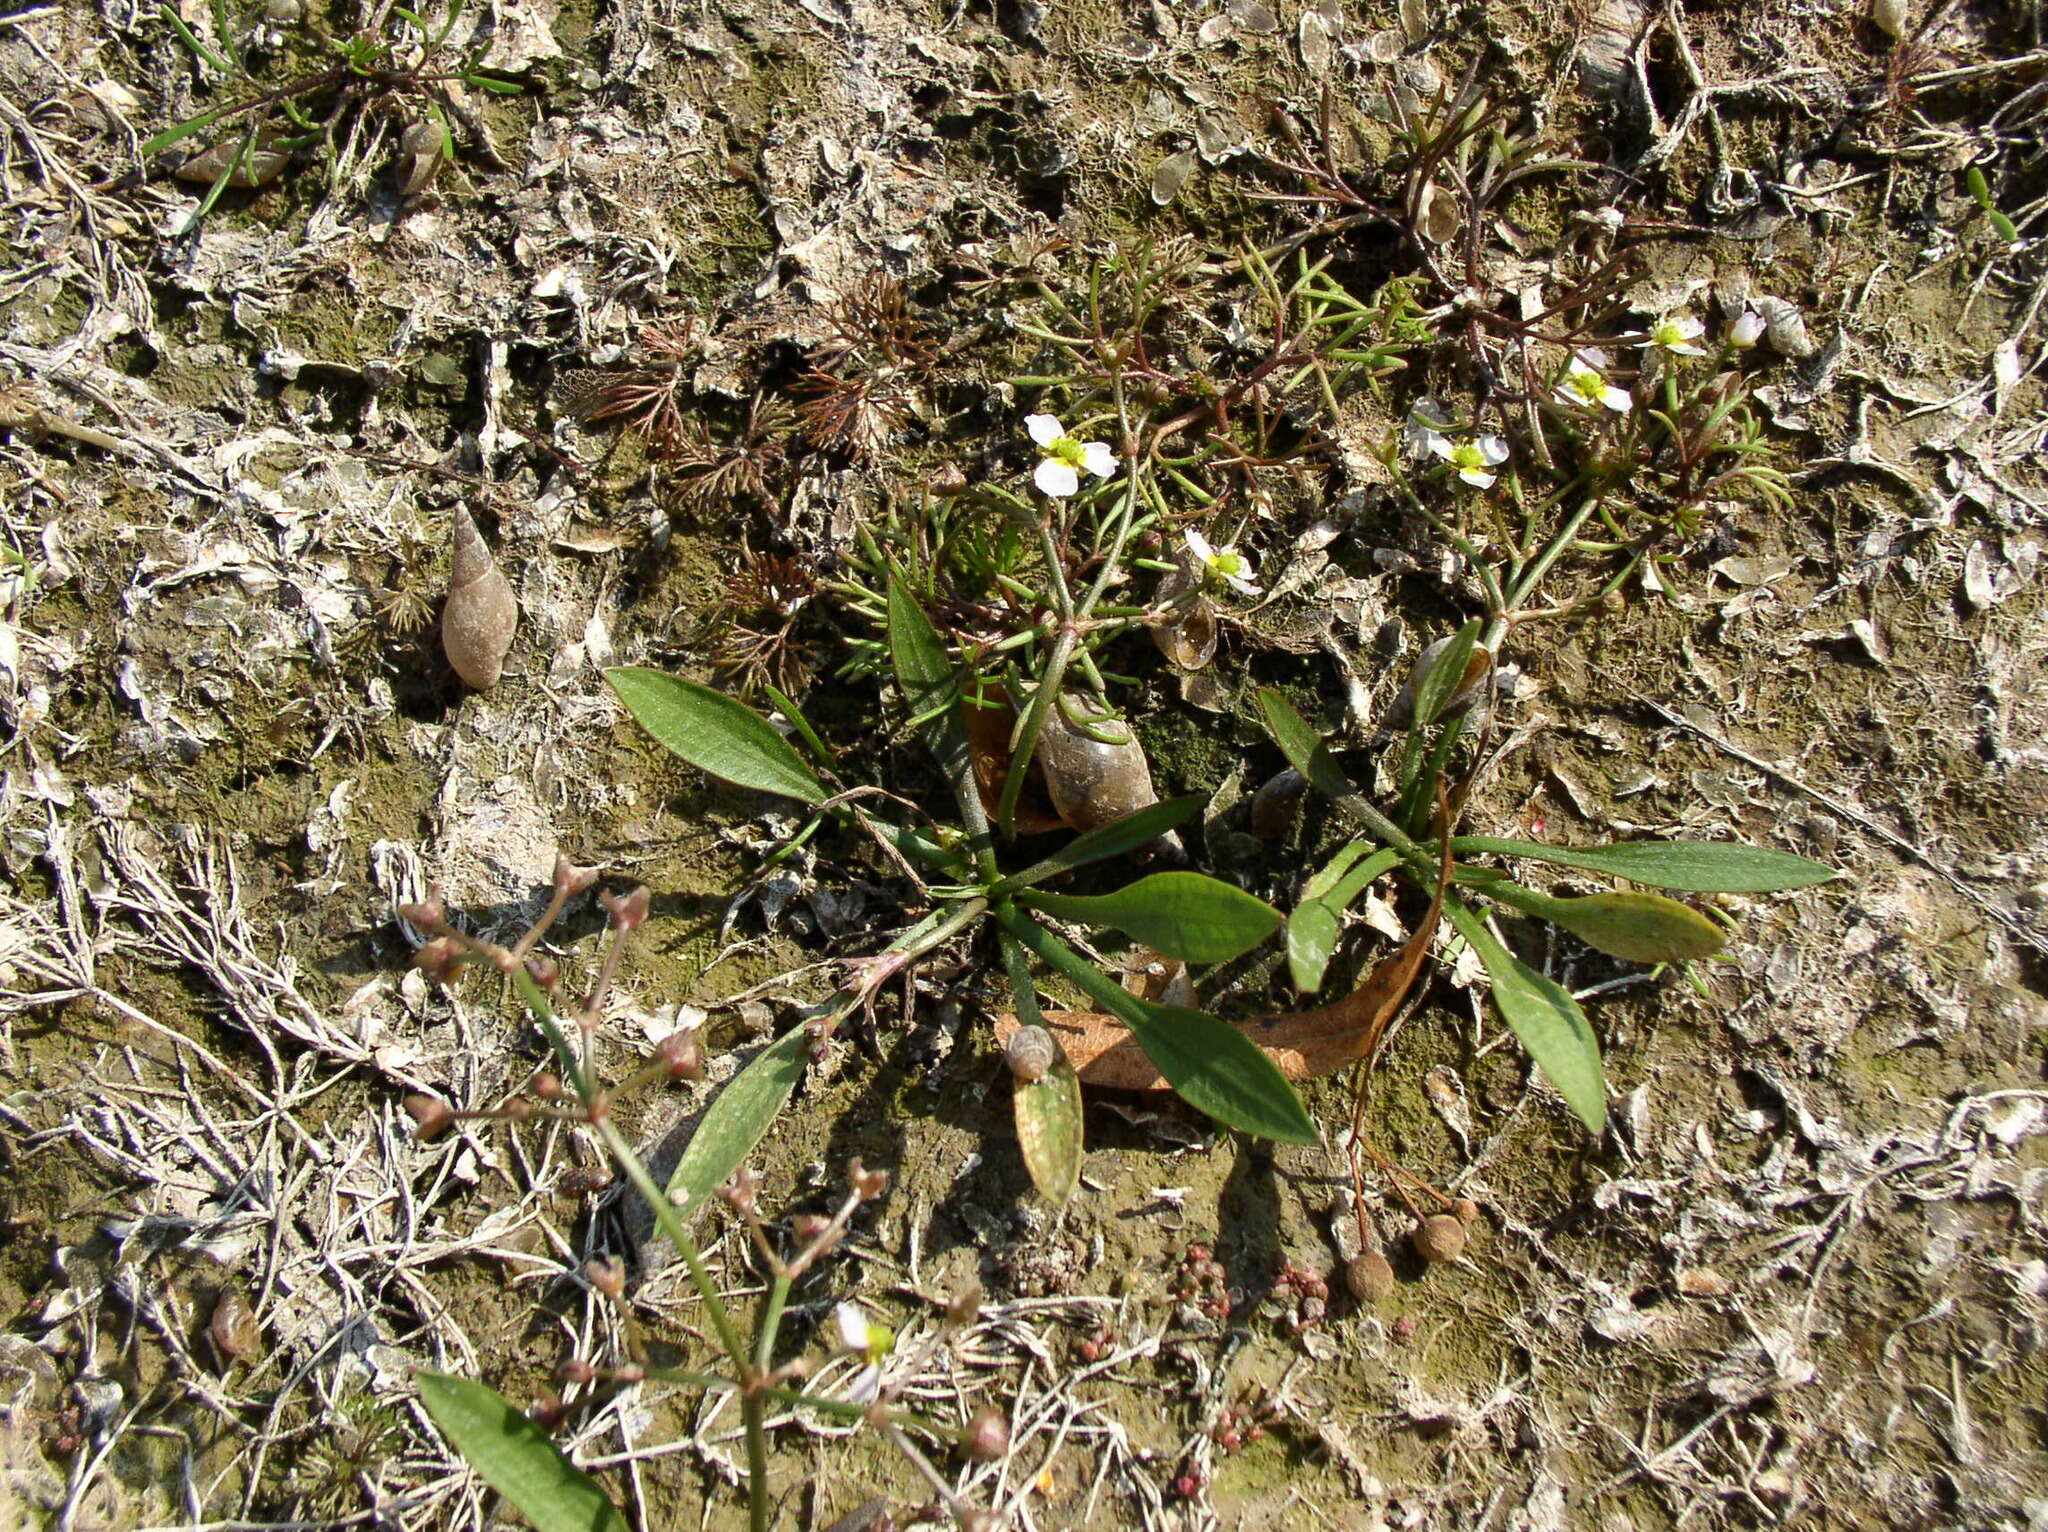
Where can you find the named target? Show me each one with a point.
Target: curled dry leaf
(482, 614)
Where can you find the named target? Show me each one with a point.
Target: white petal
(1056, 478)
(1241, 585)
(1044, 430)
(866, 1384)
(1566, 396)
(853, 1327)
(1477, 477)
(1494, 449)
(1686, 348)
(1198, 545)
(1098, 459)
(1691, 329)
(1616, 399)
(1437, 443)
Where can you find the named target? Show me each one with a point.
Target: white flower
(1747, 330)
(1585, 386)
(1425, 428)
(1472, 457)
(1224, 564)
(1059, 472)
(1680, 337)
(859, 1334)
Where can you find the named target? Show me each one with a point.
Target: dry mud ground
(1801, 1281)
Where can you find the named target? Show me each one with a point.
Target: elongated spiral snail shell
(482, 613)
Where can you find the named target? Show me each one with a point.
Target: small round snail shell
(482, 613)
(233, 1329)
(1092, 782)
(1031, 1053)
(1277, 804)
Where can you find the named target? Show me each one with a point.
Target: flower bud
(571, 880)
(427, 915)
(629, 912)
(546, 972)
(741, 1192)
(546, 1085)
(682, 1055)
(518, 1109)
(576, 1370)
(440, 959)
(1746, 331)
(607, 1276)
(867, 1184)
(964, 1306)
(986, 1438)
(431, 1117)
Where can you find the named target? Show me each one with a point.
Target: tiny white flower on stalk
(1585, 385)
(1680, 337)
(1426, 427)
(1224, 564)
(1473, 458)
(859, 1334)
(1059, 472)
(1747, 330)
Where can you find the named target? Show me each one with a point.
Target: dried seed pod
(233, 1329)
(1891, 17)
(1466, 1211)
(1277, 804)
(1439, 1237)
(1369, 1276)
(1097, 776)
(482, 613)
(1030, 1053)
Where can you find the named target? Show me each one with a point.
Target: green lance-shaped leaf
(1185, 915)
(1446, 675)
(715, 733)
(1691, 867)
(1312, 931)
(1544, 1016)
(1139, 828)
(738, 1120)
(515, 1457)
(1212, 1067)
(1315, 923)
(1048, 1113)
(1640, 928)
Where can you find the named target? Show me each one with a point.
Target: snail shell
(1277, 804)
(1477, 669)
(1092, 782)
(258, 167)
(482, 613)
(1031, 1053)
(233, 1329)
